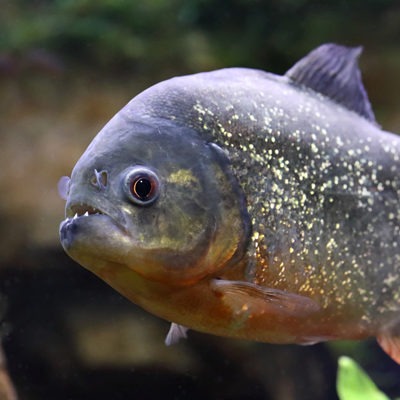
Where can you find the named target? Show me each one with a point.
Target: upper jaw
(87, 208)
(82, 209)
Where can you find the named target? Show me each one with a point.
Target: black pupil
(142, 188)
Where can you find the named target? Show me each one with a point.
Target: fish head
(156, 198)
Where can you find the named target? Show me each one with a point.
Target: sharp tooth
(86, 214)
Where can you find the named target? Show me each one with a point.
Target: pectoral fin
(251, 299)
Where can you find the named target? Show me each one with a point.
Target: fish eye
(142, 186)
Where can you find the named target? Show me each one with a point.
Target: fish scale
(277, 211)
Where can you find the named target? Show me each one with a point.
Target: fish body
(247, 204)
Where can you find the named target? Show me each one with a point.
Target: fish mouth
(84, 221)
(78, 215)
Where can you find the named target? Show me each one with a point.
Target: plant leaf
(354, 384)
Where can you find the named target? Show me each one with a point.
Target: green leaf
(354, 384)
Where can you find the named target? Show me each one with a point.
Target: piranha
(249, 205)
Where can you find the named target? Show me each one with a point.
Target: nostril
(99, 179)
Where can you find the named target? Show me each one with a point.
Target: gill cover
(197, 223)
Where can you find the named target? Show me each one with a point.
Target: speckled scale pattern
(322, 184)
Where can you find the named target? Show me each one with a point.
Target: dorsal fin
(332, 70)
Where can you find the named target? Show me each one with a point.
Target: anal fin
(390, 344)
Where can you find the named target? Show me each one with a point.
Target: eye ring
(142, 186)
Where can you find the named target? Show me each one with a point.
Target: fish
(246, 204)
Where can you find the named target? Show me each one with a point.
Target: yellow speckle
(256, 235)
(182, 177)
(252, 118)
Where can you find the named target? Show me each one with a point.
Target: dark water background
(65, 68)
